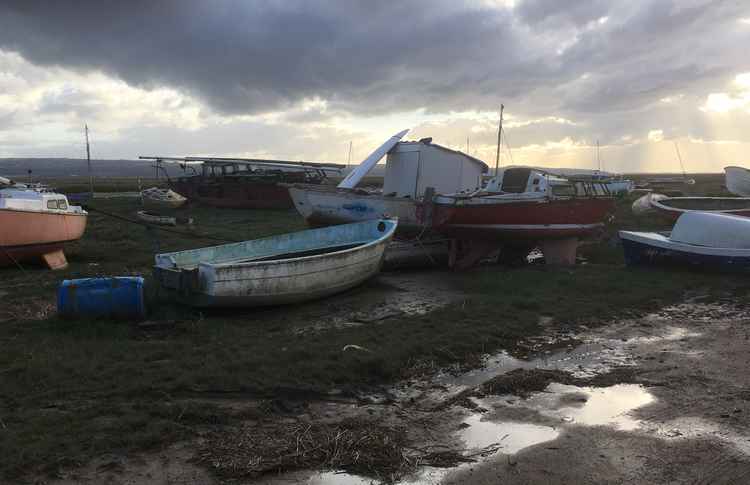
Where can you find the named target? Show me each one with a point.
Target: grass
(72, 390)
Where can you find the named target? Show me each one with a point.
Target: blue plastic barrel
(111, 297)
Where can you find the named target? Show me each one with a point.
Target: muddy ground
(662, 398)
(496, 375)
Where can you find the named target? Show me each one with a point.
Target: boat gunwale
(83, 213)
(248, 264)
(240, 264)
(659, 205)
(663, 242)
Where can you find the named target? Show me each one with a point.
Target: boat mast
(349, 160)
(598, 160)
(499, 139)
(88, 161)
(679, 157)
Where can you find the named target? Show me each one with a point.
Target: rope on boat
(161, 228)
(10, 256)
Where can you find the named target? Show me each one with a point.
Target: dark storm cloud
(243, 56)
(543, 56)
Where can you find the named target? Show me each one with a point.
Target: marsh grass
(72, 390)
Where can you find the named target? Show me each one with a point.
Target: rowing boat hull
(31, 235)
(280, 281)
(672, 208)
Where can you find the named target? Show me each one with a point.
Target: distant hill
(67, 167)
(72, 167)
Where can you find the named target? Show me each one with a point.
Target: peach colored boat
(35, 225)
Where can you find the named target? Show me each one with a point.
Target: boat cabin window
(52, 204)
(515, 180)
(62, 205)
(565, 190)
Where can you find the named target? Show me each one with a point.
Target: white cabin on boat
(32, 200)
(413, 166)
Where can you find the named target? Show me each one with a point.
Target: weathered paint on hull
(640, 254)
(28, 235)
(236, 195)
(341, 258)
(323, 206)
(525, 220)
(298, 285)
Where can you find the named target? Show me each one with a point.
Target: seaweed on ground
(355, 445)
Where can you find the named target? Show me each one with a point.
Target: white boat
(162, 220)
(36, 225)
(411, 168)
(642, 206)
(323, 205)
(698, 239)
(737, 180)
(674, 207)
(615, 183)
(282, 269)
(162, 198)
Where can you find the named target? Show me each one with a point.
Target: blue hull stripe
(637, 253)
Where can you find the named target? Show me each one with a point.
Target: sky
(300, 80)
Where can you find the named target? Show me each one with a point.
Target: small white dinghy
(288, 268)
(698, 239)
(162, 198)
(162, 220)
(642, 206)
(737, 180)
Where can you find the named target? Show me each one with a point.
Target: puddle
(338, 478)
(607, 406)
(584, 360)
(597, 356)
(672, 334)
(505, 437)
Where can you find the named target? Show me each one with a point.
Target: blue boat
(288, 268)
(699, 239)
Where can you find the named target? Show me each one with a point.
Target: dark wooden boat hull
(235, 194)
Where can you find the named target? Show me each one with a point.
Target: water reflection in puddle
(338, 478)
(585, 360)
(507, 437)
(608, 406)
(603, 407)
